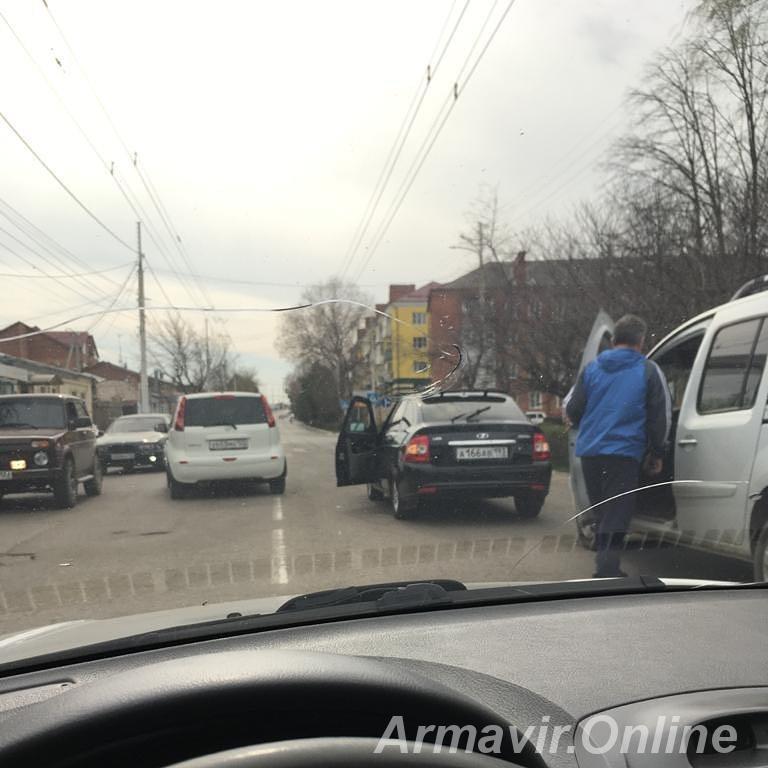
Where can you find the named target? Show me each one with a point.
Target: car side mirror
(101, 433)
(82, 423)
(161, 426)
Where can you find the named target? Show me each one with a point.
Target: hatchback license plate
(5, 475)
(123, 456)
(482, 452)
(239, 444)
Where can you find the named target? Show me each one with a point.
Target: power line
(63, 276)
(114, 301)
(63, 185)
(157, 281)
(456, 92)
(399, 143)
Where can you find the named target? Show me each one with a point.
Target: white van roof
(198, 395)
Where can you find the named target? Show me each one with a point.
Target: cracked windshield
(299, 296)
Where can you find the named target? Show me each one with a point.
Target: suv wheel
(401, 508)
(65, 487)
(761, 555)
(93, 486)
(529, 504)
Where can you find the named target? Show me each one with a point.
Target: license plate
(5, 475)
(236, 444)
(482, 452)
(123, 456)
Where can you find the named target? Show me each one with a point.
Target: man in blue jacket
(622, 407)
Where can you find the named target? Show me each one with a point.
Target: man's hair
(630, 330)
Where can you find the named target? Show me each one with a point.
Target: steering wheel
(340, 753)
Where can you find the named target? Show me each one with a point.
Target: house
(117, 392)
(71, 350)
(19, 376)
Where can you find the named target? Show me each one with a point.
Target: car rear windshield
(25, 413)
(211, 411)
(447, 409)
(138, 424)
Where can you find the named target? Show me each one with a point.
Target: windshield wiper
(19, 424)
(223, 424)
(386, 595)
(472, 415)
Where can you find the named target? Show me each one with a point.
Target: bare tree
(323, 332)
(193, 361)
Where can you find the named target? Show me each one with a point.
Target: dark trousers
(606, 477)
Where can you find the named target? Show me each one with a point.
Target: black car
(471, 443)
(47, 443)
(134, 442)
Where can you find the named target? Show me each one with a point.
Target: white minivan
(715, 365)
(224, 436)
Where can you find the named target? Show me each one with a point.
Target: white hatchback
(224, 436)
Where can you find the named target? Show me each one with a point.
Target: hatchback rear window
(496, 408)
(213, 411)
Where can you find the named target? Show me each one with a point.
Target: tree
(192, 361)
(323, 331)
(313, 396)
(244, 380)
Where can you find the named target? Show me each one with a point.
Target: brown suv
(47, 443)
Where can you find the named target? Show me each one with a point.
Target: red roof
(71, 337)
(112, 372)
(421, 293)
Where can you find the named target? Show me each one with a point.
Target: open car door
(358, 444)
(600, 338)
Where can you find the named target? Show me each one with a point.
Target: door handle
(688, 441)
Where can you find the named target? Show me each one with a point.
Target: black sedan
(462, 443)
(135, 441)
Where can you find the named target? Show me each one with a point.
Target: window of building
(419, 342)
(419, 366)
(734, 368)
(419, 318)
(534, 400)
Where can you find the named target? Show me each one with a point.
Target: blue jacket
(621, 405)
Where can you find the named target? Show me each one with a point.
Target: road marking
(279, 573)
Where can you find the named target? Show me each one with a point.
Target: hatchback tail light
(178, 425)
(417, 450)
(268, 412)
(541, 449)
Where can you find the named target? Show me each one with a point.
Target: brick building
(72, 350)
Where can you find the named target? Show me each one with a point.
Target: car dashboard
(699, 656)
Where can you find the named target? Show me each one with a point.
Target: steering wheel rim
(340, 753)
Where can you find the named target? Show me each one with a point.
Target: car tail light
(268, 412)
(417, 450)
(541, 450)
(178, 425)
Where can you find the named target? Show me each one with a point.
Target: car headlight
(41, 459)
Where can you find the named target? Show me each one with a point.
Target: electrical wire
(58, 180)
(400, 141)
(65, 277)
(419, 162)
(114, 301)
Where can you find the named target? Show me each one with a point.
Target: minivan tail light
(417, 450)
(541, 449)
(268, 412)
(178, 425)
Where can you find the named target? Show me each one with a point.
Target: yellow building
(407, 337)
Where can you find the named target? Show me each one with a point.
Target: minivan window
(676, 363)
(733, 369)
(445, 409)
(213, 411)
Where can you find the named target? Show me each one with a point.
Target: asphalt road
(133, 549)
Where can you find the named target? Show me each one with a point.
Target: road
(133, 549)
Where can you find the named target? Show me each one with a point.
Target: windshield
(421, 290)
(32, 414)
(138, 424)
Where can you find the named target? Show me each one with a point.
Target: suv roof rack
(751, 287)
(476, 391)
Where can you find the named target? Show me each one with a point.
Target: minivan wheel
(277, 486)
(177, 490)
(761, 555)
(65, 487)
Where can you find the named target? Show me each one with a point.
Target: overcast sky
(264, 127)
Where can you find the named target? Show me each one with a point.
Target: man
(622, 407)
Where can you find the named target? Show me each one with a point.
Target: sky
(260, 130)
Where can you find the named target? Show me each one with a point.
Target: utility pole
(143, 380)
